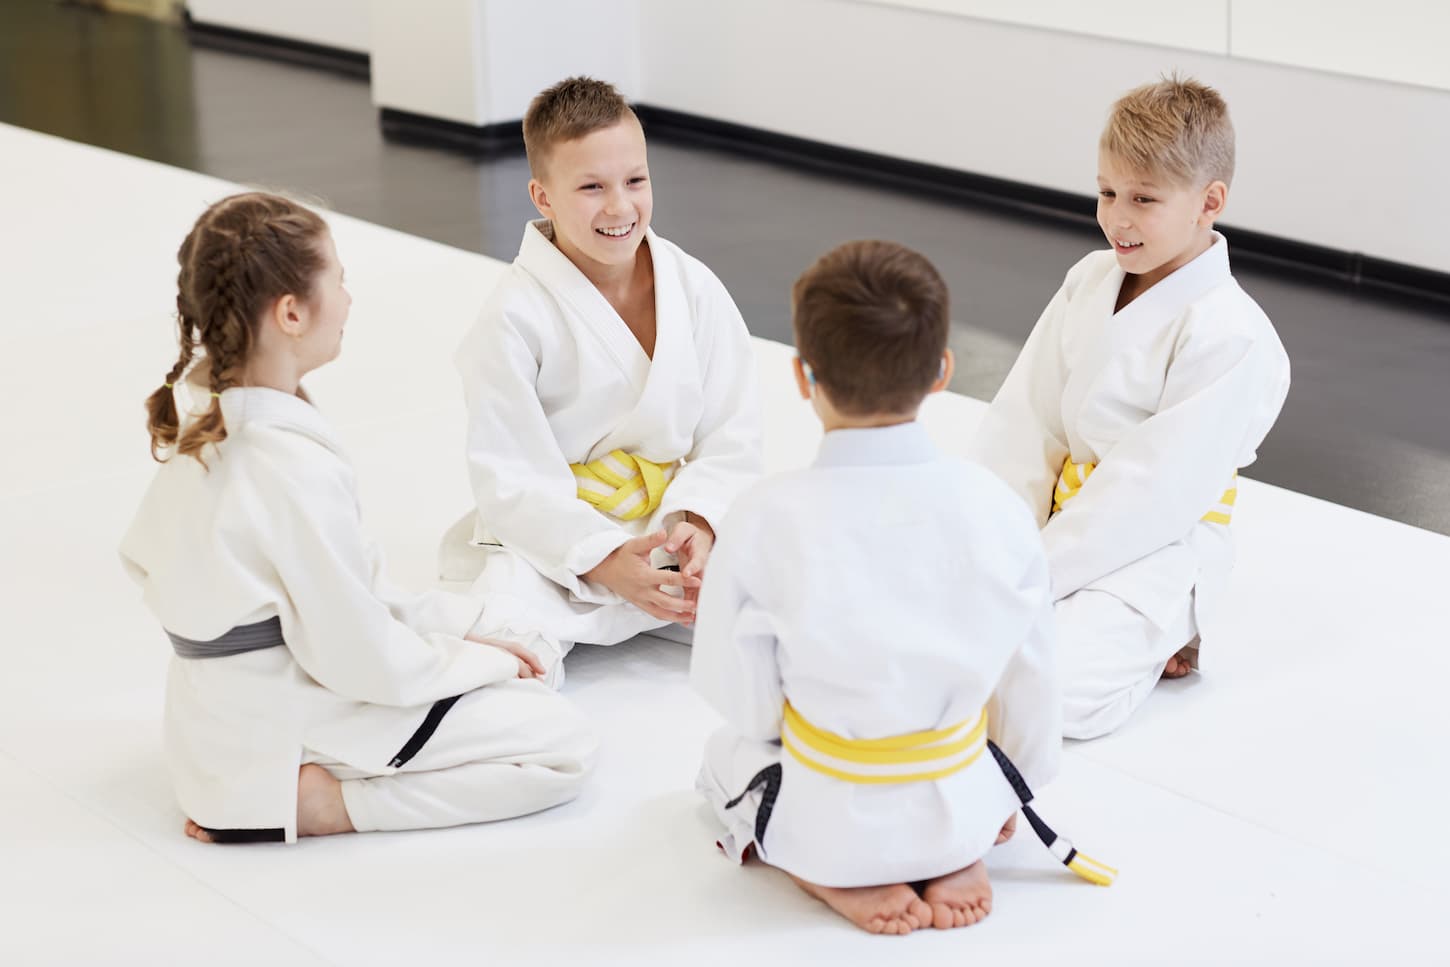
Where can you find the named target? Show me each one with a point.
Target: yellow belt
(917, 757)
(623, 485)
(921, 757)
(1074, 475)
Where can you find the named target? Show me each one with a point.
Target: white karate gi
(272, 530)
(885, 590)
(553, 376)
(1169, 397)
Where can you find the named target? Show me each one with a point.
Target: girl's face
(328, 307)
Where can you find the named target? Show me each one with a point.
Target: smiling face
(1154, 225)
(596, 191)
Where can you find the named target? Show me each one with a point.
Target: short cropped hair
(572, 108)
(1177, 127)
(871, 319)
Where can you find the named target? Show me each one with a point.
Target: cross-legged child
(876, 630)
(612, 404)
(1150, 379)
(308, 695)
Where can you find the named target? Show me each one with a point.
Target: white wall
(432, 64)
(1393, 40)
(480, 62)
(331, 23)
(1197, 25)
(1328, 158)
(1388, 40)
(1344, 162)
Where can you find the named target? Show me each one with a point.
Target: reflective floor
(1365, 424)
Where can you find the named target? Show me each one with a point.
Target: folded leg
(1109, 658)
(501, 751)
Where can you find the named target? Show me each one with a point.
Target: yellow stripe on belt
(1074, 475)
(623, 485)
(923, 757)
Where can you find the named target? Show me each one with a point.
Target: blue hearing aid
(810, 373)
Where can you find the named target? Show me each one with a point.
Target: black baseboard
(335, 59)
(1353, 269)
(486, 140)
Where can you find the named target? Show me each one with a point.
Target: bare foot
(1180, 664)
(320, 809)
(959, 899)
(1008, 828)
(892, 909)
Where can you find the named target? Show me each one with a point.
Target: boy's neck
(1136, 285)
(616, 282)
(874, 421)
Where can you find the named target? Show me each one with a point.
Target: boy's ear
(948, 366)
(802, 381)
(540, 198)
(1215, 198)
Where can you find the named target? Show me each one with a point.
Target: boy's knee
(1093, 708)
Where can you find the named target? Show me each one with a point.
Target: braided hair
(244, 253)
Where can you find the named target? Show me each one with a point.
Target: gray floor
(1365, 425)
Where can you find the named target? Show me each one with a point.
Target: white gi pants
(730, 762)
(504, 750)
(1109, 658)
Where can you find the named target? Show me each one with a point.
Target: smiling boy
(1150, 379)
(612, 405)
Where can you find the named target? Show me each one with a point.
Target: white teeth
(616, 232)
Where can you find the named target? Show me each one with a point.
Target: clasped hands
(627, 570)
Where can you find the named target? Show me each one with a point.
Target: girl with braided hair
(309, 695)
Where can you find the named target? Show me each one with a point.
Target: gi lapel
(670, 404)
(586, 310)
(1086, 347)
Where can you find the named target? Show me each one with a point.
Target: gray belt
(238, 641)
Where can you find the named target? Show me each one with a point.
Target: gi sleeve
(1024, 714)
(726, 456)
(423, 611)
(1221, 396)
(733, 662)
(337, 626)
(525, 492)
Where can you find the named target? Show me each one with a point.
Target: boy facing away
(1150, 379)
(870, 621)
(612, 404)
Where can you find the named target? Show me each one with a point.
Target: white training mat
(1285, 806)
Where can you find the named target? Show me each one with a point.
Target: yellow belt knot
(623, 485)
(1074, 475)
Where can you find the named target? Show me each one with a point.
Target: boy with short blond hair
(882, 668)
(1150, 379)
(612, 405)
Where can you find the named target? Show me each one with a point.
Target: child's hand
(627, 572)
(529, 664)
(1008, 828)
(691, 541)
